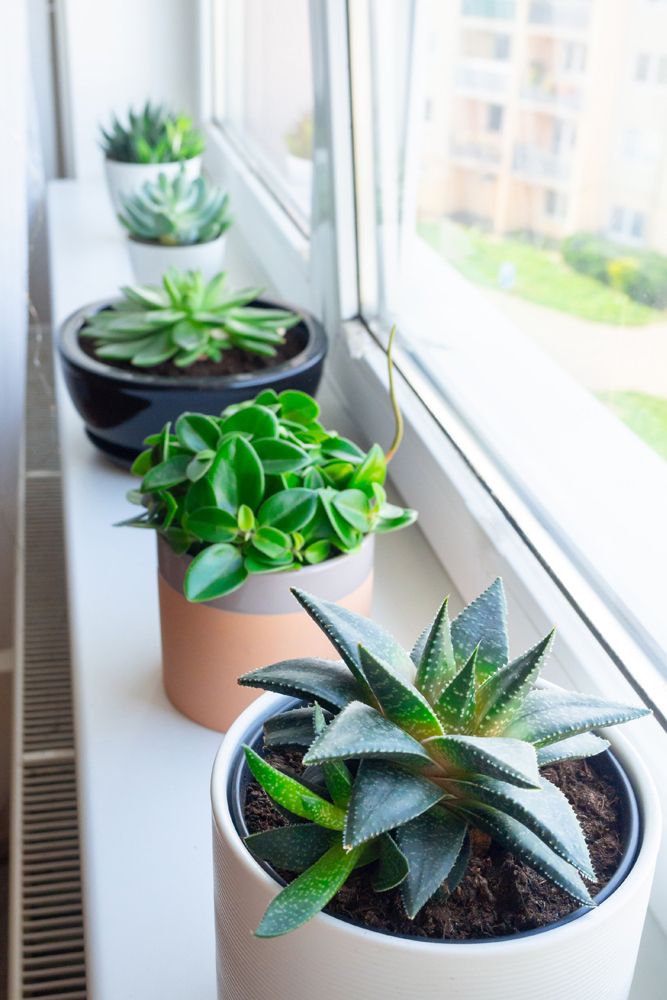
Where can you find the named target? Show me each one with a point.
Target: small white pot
(128, 178)
(151, 260)
(589, 958)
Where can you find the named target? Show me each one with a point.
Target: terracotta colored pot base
(205, 649)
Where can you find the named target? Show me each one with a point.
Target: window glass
(265, 93)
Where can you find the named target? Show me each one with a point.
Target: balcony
(494, 9)
(571, 14)
(481, 81)
(550, 96)
(475, 151)
(540, 164)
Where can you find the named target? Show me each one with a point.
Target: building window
(555, 204)
(637, 227)
(502, 45)
(494, 118)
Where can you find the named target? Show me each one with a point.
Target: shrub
(641, 274)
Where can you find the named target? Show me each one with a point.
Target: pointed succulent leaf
(392, 865)
(501, 696)
(455, 706)
(549, 715)
(483, 623)
(309, 892)
(436, 666)
(460, 866)
(515, 837)
(337, 777)
(292, 795)
(399, 700)
(295, 728)
(572, 748)
(293, 848)
(360, 731)
(431, 843)
(346, 630)
(329, 682)
(546, 812)
(514, 761)
(384, 797)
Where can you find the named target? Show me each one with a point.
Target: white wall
(113, 54)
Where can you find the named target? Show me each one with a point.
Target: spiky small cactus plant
(176, 212)
(412, 751)
(152, 135)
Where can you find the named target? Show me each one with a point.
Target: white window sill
(144, 769)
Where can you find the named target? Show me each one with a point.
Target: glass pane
(268, 93)
(519, 214)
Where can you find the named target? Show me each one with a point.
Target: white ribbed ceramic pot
(590, 958)
(151, 260)
(127, 178)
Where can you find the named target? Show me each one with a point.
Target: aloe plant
(185, 321)
(406, 753)
(262, 488)
(152, 135)
(176, 212)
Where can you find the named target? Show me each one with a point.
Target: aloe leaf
(500, 697)
(309, 893)
(324, 680)
(293, 848)
(337, 777)
(550, 715)
(360, 731)
(392, 865)
(456, 705)
(292, 795)
(514, 837)
(483, 623)
(436, 665)
(384, 797)
(546, 812)
(295, 728)
(573, 748)
(514, 761)
(347, 630)
(460, 866)
(432, 844)
(400, 701)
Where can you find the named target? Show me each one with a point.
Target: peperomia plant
(185, 321)
(405, 754)
(176, 212)
(262, 488)
(152, 135)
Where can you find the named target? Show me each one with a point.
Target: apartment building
(549, 116)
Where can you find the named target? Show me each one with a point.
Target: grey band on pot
(269, 593)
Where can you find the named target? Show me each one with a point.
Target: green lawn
(541, 276)
(645, 415)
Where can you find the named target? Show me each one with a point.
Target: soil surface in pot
(499, 895)
(233, 362)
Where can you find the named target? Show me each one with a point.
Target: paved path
(599, 355)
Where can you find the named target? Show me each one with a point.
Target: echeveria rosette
(176, 211)
(263, 488)
(405, 754)
(185, 321)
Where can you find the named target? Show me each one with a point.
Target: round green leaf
(289, 510)
(257, 421)
(199, 465)
(298, 406)
(280, 456)
(354, 507)
(210, 524)
(317, 552)
(373, 469)
(216, 571)
(198, 432)
(271, 542)
(249, 474)
(245, 518)
(166, 474)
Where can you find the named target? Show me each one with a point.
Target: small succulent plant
(152, 135)
(176, 212)
(405, 754)
(184, 321)
(262, 488)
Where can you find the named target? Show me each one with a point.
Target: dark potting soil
(233, 362)
(499, 894)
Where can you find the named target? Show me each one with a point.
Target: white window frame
(476, 521)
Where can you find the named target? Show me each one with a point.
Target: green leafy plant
(299, 140)
(176, 212)
(184, 321)
(405, 754)
(152, 135)
(262, 488)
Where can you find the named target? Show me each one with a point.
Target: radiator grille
(51, 955)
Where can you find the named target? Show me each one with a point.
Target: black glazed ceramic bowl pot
(121, 407)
